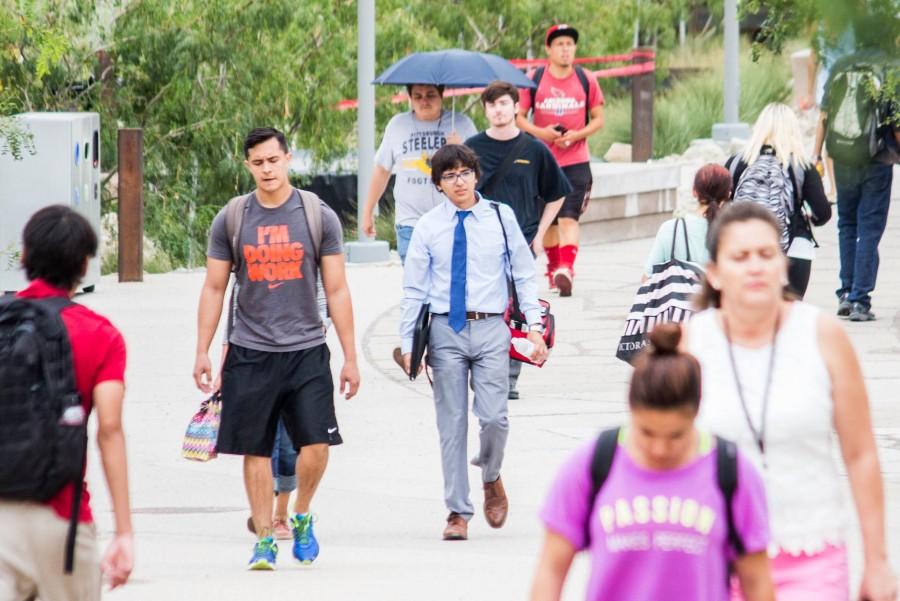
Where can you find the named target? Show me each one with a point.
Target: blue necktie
(457, 317)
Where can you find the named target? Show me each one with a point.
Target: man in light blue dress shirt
(457, 262)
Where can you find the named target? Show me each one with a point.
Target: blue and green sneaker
(306, 547)
(265, 551)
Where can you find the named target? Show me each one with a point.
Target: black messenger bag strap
(510, 282)
(504, 167)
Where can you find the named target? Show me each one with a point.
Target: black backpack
(582, 77)
(43, 426)
(726, 478)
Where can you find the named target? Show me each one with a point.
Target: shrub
(689, 108)
(384, 226)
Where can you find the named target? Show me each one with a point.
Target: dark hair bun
(665, 338)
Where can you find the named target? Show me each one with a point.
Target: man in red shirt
(566, 95)
(58, 242)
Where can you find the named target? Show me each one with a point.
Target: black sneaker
(844, 307)
(860, 312)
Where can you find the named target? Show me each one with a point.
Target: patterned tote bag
(666, 296)
(200, 438)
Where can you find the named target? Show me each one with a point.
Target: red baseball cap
(560, 29)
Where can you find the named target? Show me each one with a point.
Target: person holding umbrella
(410, 140)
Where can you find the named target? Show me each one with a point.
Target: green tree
(204, 74)
(196, 75)
(15, 139)
(875, 25)
(876, 22)
(44, 63)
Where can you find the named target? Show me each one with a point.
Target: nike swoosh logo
(332, 430)
(275, 285)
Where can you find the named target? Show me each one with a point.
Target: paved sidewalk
(380, 503)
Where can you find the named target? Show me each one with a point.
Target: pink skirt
(823, 576)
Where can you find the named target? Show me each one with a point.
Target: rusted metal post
(642, 88)
(131, 205)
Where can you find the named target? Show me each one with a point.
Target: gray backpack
(772, 185)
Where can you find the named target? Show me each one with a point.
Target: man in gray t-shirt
(410, 140)
(277, 366)
(276, 307)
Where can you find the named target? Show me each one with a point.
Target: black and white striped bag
(666, 296)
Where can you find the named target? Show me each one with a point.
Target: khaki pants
(32, 556)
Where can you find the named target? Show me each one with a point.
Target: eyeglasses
(451, 178)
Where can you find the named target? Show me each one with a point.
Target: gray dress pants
(480, 351)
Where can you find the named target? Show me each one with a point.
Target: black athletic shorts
(258, 387)
(576, 201)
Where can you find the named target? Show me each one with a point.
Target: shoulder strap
(601, 463)
(234, 220)
(312, 208)
(72, 532)
(687, 244)
(727, 479)
(503, 169)
(733, 169)
(536, 78)
(510, 283)
(798, 178)
(55, 303)
(586, 86)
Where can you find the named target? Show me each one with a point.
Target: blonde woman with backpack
(773, 171)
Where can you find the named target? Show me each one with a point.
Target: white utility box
(65, 169)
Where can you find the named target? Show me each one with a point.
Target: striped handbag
(666, 296)
(200, 438)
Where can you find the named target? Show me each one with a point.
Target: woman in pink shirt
(659, 527)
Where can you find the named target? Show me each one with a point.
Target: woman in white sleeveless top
(778, 377)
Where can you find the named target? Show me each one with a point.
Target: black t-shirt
(533, 179)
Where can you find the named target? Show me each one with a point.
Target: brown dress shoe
(457, 528)
(496, 505)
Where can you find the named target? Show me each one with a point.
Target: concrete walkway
(380, 504)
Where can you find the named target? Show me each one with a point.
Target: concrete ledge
(372, 251)
(615, 179)
(629, 200)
